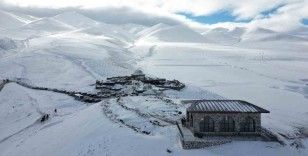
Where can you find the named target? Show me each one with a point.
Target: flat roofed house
(223, 118)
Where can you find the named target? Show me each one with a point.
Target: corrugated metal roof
(224, 106)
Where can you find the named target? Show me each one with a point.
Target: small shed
(223, 118)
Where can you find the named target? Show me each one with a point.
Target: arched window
(227, 124)
(191, 120)
(248, 125)
(207, 125)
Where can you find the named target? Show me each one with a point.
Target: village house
(223, 117)
(221, 120)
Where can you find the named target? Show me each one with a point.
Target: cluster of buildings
(135, 84)
(207, 122)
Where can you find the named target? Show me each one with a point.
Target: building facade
(224, 118)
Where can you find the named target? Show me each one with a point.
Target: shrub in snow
(169, 151)
(7, 44)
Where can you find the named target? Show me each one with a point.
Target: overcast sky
(274, 14)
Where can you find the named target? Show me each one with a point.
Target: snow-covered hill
(165, 33)
(70, 52)
(261, 34)
(9, 20)
(224, 36)
(111, 31)
(300, 32)
(47, 24)
(75, 19)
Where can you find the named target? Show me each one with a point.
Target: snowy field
(71, 51)
(273, 79)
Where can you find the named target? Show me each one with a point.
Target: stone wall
(202, 144)
(218, 117)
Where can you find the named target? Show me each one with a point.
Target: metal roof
(224, 106)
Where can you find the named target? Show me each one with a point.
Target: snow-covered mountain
(166, 33)
(230, 37)
(75, 19)
(225, 36)
(133, 28)
(261, 34)
(47, 24)
(9, 20)
(70, 51)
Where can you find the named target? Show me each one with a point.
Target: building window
(191, 120)
(207, 125)
(227, 124)
(248, 125)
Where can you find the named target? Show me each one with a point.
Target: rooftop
(138, 73)
(224, 106)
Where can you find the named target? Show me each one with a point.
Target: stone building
(223, 118)
(138, 75)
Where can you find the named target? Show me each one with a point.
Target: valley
(70, 51)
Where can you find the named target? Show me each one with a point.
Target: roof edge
(260, 110)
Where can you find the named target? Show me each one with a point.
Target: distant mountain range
(26, 26)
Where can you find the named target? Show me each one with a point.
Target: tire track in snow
(35, 106)
(22, 130)
(133, 118)
(110, 114)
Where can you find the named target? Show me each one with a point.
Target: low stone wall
(199, 144)
(188, 141)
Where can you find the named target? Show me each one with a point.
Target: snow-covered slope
(165, 33)
(40, 27)
(48, 25)
(75, 19)
(133, 28)
(264, 35)
(113, 32)
(301, 31)
(9, 20)
(7, 44)
(27, 106)
(284, 37)
(152, 29)
(224, 36)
